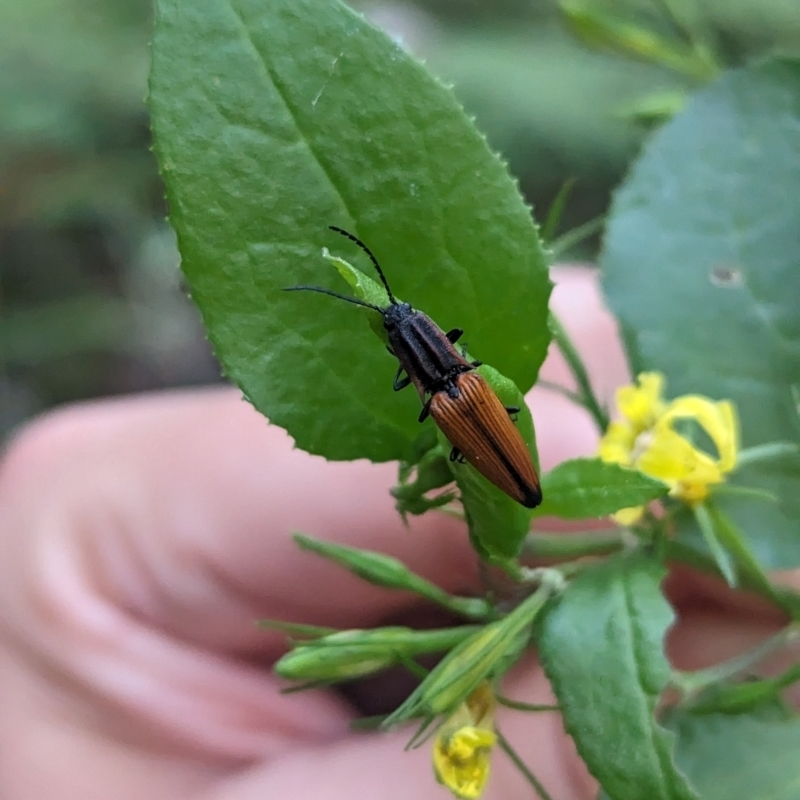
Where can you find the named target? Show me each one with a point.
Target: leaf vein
(648, 719)
(280, 89)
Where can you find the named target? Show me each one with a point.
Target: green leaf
(739, 756)
(589, 487)
(602, 647)
(273, 121)
(700, 265)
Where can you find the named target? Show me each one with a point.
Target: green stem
(787, 678)
(522, 767)
(745, 491)
(517, 706)
(573, 545)
(475, 608)
(367, 723)
(417, 670)
(565, 242)
(556, 211)
(765, 452)
(550, 579)
(296, 628)
(693, 682)
(785, 599)
(573, 397)
(578, 370)
(698, 39)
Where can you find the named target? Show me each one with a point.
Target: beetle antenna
(371, 256)
(320, 289)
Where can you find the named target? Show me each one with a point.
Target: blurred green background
(91, 301)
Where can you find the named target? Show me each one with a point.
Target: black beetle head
(394, 314)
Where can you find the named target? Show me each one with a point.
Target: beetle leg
(454, 335)
(464, 353)
(400, 382)
(426, 409)
(457, 456)
(391, 352)
(512, 412)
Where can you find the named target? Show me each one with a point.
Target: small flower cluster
(646, 438)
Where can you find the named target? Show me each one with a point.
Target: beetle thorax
(395, 314)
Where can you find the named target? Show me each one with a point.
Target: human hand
(141, 538)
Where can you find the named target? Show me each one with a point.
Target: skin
(139, 540)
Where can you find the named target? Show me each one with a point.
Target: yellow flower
(641, 405)
(646, 438)
(616, 446)
(461, 752)
(674, 459)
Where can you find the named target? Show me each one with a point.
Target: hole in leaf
(726, 277)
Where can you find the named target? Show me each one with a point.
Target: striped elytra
(458, 399)
(477, 424)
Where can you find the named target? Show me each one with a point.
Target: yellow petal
(617, 444)
(728, 449)
(719, 420)
(628, 516)
(641, 404)
(461, 760)
(688, 471)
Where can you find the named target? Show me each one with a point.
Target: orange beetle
(458, 399)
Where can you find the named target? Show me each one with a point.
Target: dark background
(91, 301)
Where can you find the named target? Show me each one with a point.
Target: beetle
(459, 400)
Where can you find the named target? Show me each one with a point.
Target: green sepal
(383, 570)
(735, 543)
(345, 655)
(485, 654)
(722, 558)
